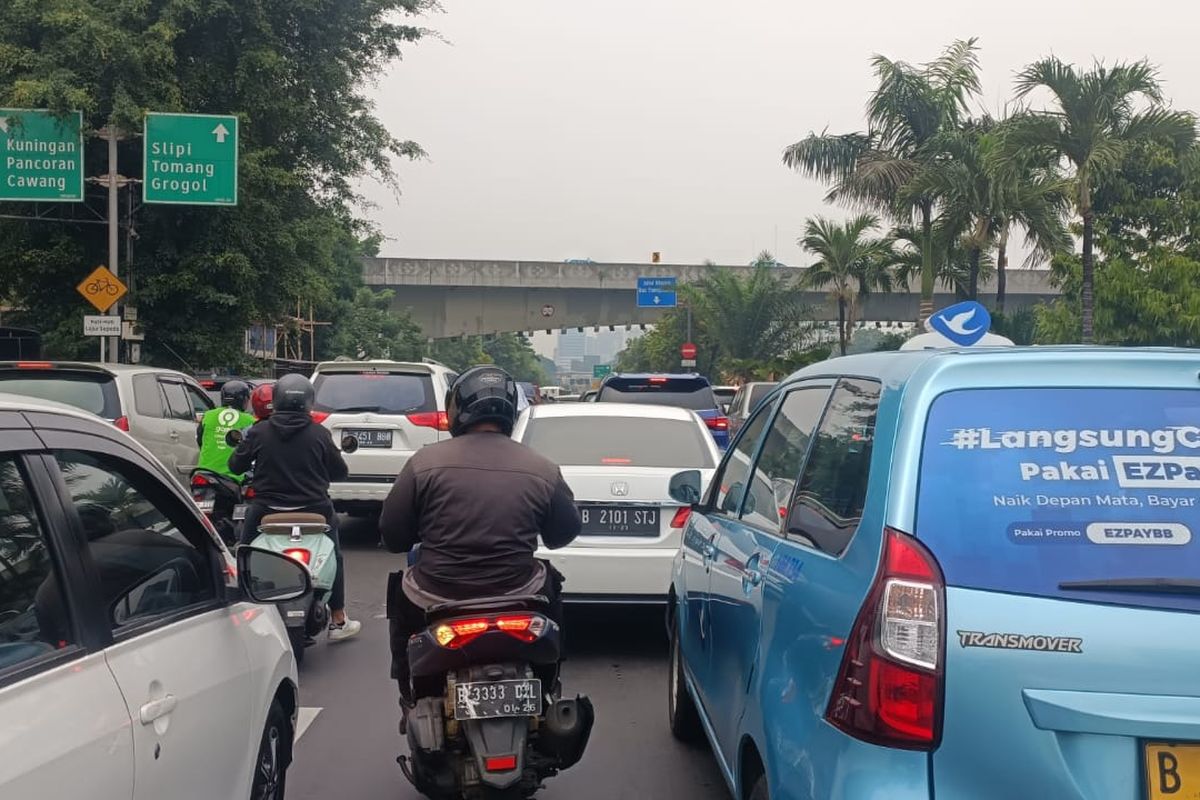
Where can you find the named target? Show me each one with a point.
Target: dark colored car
(689, 391)
(748, 397)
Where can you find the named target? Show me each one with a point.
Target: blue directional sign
(656, 292)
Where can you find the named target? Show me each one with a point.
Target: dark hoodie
(293, 458)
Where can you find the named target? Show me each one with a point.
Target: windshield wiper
(1151, 585)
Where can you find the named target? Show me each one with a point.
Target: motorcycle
(219, 498)
(489, 721)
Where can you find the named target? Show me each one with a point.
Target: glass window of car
(178, 404)
(200, 402)
(731, 483)
(758, 393)
(693, 393)
(152, 557)
(147, 396)
(620, 442)
(782, 456)
(829, 501)
(374, 392)
(91, 391)
(33, 613)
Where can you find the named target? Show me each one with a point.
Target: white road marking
(304, 718)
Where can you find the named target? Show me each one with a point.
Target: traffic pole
(112, 135)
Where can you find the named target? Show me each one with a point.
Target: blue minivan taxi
(686, 390)
(951, 574)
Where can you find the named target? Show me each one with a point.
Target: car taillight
(319, 417)
(249, 493)
(717, 423)
(889, 687)
(300, 554)
(199, 480)
(34, 365)
(460, 632)
(430, 419)
(122, 423)
(681, 517)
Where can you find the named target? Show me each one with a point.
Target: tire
(760, 790)
(681, 709)
(270, 771)
(298, 639)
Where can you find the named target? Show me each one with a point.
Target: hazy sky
(564, 129)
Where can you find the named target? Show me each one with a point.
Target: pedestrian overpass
(451, 297)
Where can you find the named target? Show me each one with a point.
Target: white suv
(393, 408)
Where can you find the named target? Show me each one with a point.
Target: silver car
(158, 407)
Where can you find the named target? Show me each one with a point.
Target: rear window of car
(692, 393)
(94, 392)
(758, 393)
(1029, 491)
(589, 441)
(374, 392)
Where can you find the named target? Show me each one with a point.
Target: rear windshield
(588, 441)
(758, 392)
(689, 393)
(374, 392)
(1024, 490)
(93, 392)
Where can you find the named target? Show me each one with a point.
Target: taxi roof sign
(963, 324)
(102, 289)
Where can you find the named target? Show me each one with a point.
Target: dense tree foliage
(293, 71)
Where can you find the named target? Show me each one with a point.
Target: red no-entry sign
(688, 350)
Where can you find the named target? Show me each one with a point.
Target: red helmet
(262, 400)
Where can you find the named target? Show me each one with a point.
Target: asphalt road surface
(348, 724)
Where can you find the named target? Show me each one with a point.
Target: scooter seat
(291, 518)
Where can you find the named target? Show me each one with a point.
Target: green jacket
(214, 452)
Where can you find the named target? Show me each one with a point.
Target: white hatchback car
(137, 660)
(618, 459)
(393, 408)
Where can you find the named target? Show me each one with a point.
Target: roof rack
(434, 362)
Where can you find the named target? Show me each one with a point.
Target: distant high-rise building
(571, 346)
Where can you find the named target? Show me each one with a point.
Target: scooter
(219, 498)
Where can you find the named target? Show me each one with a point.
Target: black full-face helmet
(235, 394)
(482, 394)
(293, 393)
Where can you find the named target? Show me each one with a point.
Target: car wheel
(298, 640)
(270, 770)
(685, 720)
(760, 790)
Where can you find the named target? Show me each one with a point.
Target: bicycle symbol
(102, 285)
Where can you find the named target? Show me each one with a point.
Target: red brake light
(520, 627)
(500, 763)
(616, 461)
(300, 554)
(457, 633)
(681, 517)
(249, 493)
(430, 419)
(122, 423)
(208, 384)
(717, 423)
(34, 365)
(199, 480)
(889, 687)
(658, 380)
(319, 417)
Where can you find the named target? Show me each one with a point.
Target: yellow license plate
(1172, 771)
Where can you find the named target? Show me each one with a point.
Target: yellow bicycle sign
(102, 289)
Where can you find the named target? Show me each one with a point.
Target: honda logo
(620, 489)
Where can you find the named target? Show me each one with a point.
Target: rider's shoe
(340, 633)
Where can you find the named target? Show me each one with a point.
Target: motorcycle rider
(217, 423)
(476, 504)
(294, 462)
(261, 401)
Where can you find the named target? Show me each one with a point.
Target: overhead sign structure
(103, 289)
(654, 292)
(41, 156)
(191, 159)
(601, 370)
(101, 325)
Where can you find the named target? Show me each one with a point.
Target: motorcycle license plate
(494, 699)
(239, 512)
(205, 504)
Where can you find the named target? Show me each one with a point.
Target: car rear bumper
(361, 489)
(613, 574)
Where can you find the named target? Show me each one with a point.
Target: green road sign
(41, 156)
(191, 159)
(600, 370)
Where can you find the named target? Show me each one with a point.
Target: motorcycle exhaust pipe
(563, 735)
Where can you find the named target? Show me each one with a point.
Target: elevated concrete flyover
(450, 297)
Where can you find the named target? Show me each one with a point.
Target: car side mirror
(234, 438)
(349, 443)
(685, 487)
(269, 577)
(729, 504)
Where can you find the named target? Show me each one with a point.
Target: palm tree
(875, 169)
(1091, 125)
(851, 264)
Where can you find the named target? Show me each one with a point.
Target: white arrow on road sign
(221, 132)
(3, 124)
(657, 300)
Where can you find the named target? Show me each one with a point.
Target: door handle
(156, 709)
(752, 577)
(710, 549)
